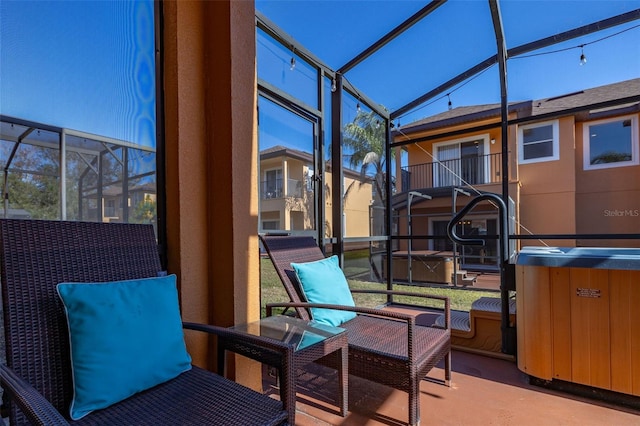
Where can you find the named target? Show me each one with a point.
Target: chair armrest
(410, 319)
(445, 299)
(263, 349)
(35, 407)
(357, 309)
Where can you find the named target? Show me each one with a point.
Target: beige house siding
(356, 208)
(294, 208)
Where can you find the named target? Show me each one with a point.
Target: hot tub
(579, 316)
(581, 257)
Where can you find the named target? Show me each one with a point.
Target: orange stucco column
(211, 164)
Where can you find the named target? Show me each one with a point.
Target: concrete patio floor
(484, 391)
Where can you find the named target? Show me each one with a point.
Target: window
(273, 184)
(611, 143)
(309, 178)
(84, 155)
(461, 162)
(287, 135)
(270, 225)
(538, 142)
(275, 66)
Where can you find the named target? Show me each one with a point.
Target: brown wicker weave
(332, 347)
(34, 257)
(385, 347)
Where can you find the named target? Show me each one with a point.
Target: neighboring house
(574, 168)
(114, 203)
(287, 198)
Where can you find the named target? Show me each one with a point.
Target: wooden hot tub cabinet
(579, 316)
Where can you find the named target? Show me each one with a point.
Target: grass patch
(461, 299)
(356, 254)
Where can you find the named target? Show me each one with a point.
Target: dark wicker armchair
(34, 257)
(384, 346)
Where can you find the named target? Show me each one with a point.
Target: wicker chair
(35, 256)
(384, 346)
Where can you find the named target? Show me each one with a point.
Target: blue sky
(79, 65)
(457, 36)
(75, 64)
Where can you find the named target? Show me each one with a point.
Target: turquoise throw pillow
(324, 282)
(125, 336)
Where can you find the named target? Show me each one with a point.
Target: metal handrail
(508, 332)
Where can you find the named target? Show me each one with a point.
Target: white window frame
(586, 143)
(555, 143)
(273, 169)
(266, 173)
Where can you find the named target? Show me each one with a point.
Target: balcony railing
(272, 189)
(458, 172)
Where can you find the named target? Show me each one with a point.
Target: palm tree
(365, 137)
(611, 157)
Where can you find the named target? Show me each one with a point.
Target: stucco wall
(547, 194)
(607, 200)
(211, 165)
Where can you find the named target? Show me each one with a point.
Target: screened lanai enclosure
(55, 173)
(78, 111)
(427, 143)
(484, 150)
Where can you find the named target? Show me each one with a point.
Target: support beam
(508, 332)
(285, 39)
(388, 207)
(575, 33)
(336, 170)
(519, 50)
(445, 86)
(408, 23)
(410, 196)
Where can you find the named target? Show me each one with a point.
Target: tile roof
(554, 105)
(279, 151)
(610, 92)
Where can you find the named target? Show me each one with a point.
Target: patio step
(463, 278)
(459, 321)
(480, 329)
(492, 304)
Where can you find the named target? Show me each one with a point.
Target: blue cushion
(125, 336)
(324, 282)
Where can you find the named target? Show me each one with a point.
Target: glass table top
(296, 331)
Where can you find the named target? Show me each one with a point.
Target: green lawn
(461, 298)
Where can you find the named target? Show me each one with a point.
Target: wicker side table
(311, 341)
